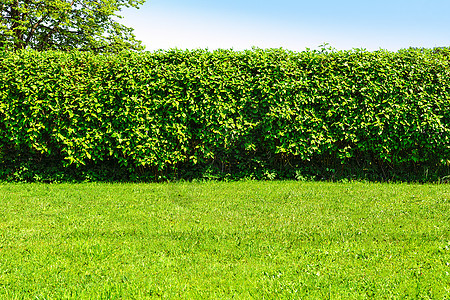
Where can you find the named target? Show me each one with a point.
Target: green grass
(262, 240)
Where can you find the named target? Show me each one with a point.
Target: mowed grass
(212, 240)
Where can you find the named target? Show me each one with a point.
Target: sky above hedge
(290, 24)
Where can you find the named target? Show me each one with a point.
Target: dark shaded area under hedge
(265, 114)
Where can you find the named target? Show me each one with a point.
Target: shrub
(181, 114)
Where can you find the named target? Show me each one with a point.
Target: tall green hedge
(258, 113)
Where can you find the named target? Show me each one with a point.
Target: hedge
(225, 114)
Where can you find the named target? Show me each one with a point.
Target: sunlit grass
(215, 240)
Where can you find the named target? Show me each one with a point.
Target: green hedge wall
(225, 114)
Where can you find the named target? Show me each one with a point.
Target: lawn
(222, 240)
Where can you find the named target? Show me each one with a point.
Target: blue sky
(293, 25)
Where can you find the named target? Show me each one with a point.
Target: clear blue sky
(293, 25)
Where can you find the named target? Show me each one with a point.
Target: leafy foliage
(65, 25)
(226, 114)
